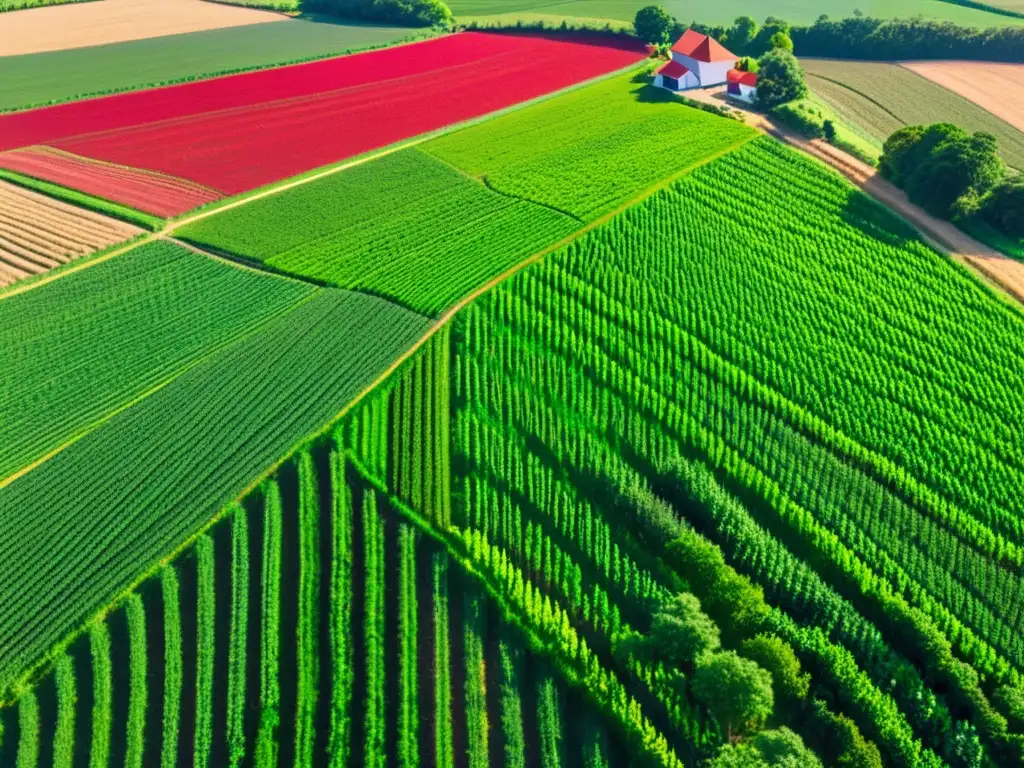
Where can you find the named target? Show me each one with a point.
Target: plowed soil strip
(154, 193)
(38, 233)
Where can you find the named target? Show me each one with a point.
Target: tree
(680, 632)
(762, 42)
(653, 24)
(736, 691)
(897, 148)
(747, 64)
(1003, 209)
(780, 79)
(413, 13)
(959, 166)
(781, 41)
(780, 747)
(741, 34)
(774, 654)
(830, 130)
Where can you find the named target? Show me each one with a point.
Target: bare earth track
(1003, 274)
(38, 233)
(59, 27)
(999, 88)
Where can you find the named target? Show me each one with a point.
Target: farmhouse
(742, 85)
(698, 61)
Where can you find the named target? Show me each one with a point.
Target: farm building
(742, 85)
(698, 61)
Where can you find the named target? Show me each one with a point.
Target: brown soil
(998, 270)
(77, 25)
(38, 233)
(999, 88)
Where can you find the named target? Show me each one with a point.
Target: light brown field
(38, 233)
(58, 27)
(999, 88)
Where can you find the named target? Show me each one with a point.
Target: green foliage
(610, 141)
(408, 717)
(135, 614)
(1002, 207)
(474, 627)
(1010, 701)
(238, 647)
(270, 623)
(736, 691)
(942, 167)
(333, 230)
(410, 13)
(169, 591)
(28, 731)
(99, 646)
(375, 747)
(680, 632)
(308, 631)
(653, 24)
(443, 740)
(237, 409)
(780, 41)
(510, 658)
(789, 683)
(206, 595)
(159, 306)
(781, 748)
(341, 629)
(842, 738)
(780, 79)
(64, 733)
(549, 723)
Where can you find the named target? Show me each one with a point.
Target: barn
(742, 85)
(698, 61)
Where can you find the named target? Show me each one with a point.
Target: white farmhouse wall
(708, 74)
(689, 80)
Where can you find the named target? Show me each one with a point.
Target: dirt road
(58, 27)
(1004, 274)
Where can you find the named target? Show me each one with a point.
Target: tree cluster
(954, 174)
(410, 13)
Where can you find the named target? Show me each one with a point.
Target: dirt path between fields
(1000, 272)
(59, 27)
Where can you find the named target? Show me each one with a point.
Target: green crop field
(387, 227)
(720, 466)
(380, 227)
(881, 98)
(609, 142)
(215, 426)
(41, 78)
(706, 12)
(116, 331)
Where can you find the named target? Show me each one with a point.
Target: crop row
(232, 414)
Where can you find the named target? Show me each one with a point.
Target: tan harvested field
(59, 27)
(999, 88)
(38, 233)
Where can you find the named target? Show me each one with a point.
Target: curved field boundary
(38, 233)
(149, 191)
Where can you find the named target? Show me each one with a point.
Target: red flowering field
(236, 133)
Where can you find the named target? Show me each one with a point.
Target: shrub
(789, 683)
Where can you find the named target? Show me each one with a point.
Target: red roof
(742, 78)
(674, 69)
(701, 47)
